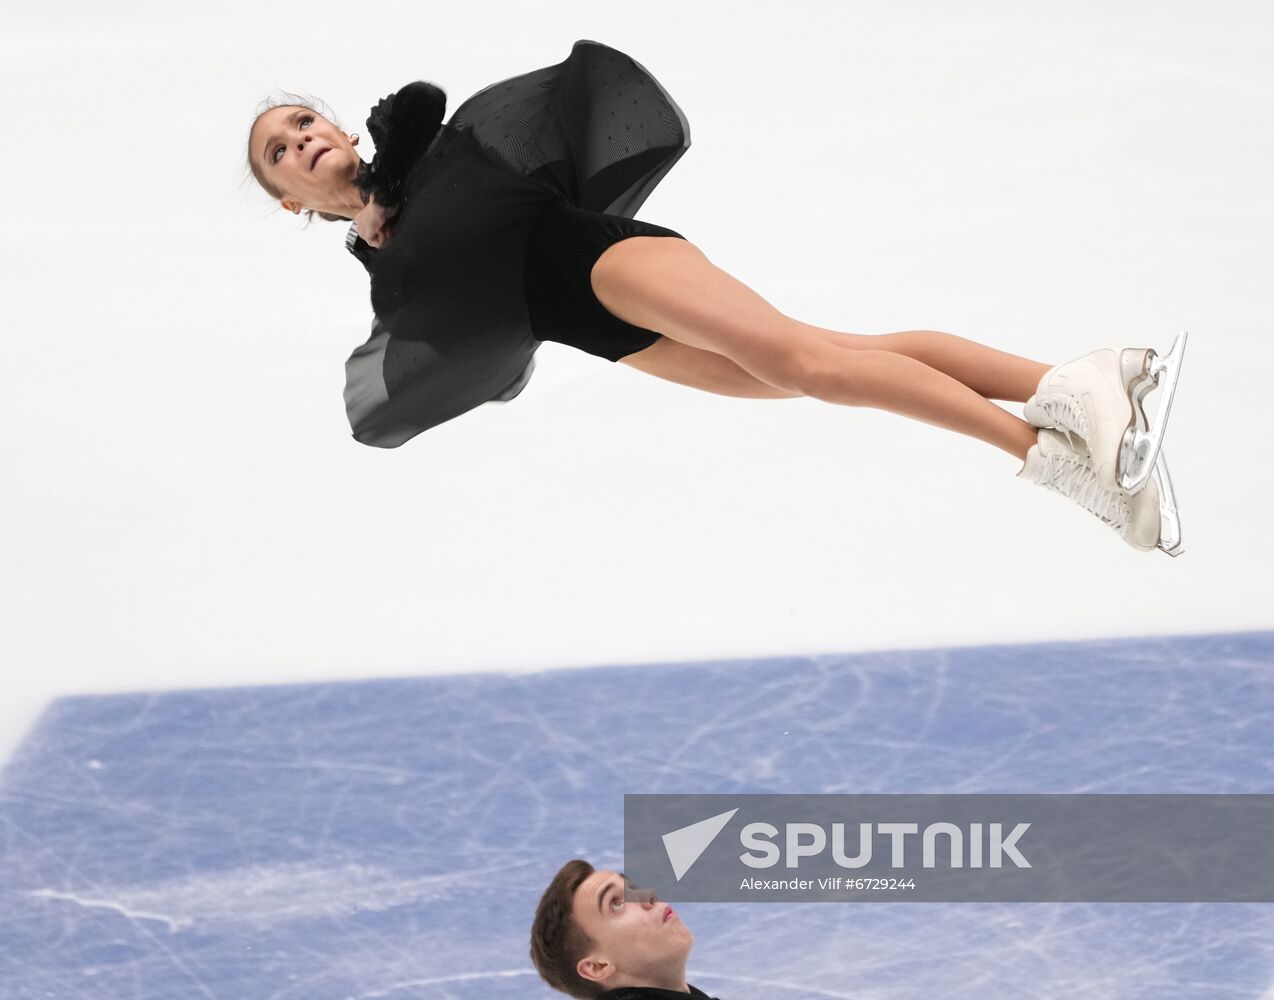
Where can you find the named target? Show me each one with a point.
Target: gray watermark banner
(951, 848)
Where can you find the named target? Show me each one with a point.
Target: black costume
(501, 214)
(650, 993)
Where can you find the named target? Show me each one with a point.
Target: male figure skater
(590, 942)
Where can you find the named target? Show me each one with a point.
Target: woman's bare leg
(669, 285)
(988, 372)
(677, 362)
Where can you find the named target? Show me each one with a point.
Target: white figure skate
(1099, 398)
(1140, 519)
(1169, 520)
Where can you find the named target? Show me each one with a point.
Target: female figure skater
(513, 224)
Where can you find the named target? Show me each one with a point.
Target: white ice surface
(182, 501)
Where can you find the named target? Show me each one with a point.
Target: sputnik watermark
(1153, 848)
(809, 840)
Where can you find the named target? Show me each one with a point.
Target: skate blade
(1169, 519)
(1144, 437)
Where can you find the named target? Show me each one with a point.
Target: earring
(353, 138)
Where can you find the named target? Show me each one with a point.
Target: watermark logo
(956, 848)
(685, 846)
(765, 845)
(810, 840)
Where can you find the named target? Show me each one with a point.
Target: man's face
(639, 940)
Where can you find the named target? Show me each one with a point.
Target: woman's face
(304, 156)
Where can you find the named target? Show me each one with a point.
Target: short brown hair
(557, 942)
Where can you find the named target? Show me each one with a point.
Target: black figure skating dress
(502, 212)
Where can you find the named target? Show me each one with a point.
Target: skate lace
(1063, 410)
(1077, 481)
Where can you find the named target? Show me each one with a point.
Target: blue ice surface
(391, 838)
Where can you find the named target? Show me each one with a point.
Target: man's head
(588, 938)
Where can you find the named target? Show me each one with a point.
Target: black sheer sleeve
(402, 126)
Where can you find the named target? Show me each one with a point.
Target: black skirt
(562, 247)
